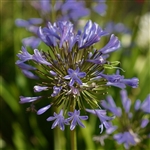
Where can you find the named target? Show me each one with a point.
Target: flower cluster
(66, 10)
(72, 72)
(63, 10)
(70, 9)
(133, 121)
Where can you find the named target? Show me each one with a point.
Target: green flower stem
(59, 137)
(73, 140)
(73, 137)
(53, 13)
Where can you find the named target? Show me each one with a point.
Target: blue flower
(101, 114)
(60, 31)
(127, 138)
(112, 45)
(59, 120)
(37, 56)
(91, 34)
(132, 123)
(75, 76)
(71, 73)
(111, 106)
(24, 55)
(119, 81)
(75, 117)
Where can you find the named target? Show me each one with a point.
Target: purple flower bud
(24, 66)
(137, 104)
(145, 106)
(33, 42)
(131, 82)
(28, 99)
(53, 73)
(21, 23)
(29, 74)
(56, 91)
(35, 21)
(144, 123)
(125, 101)
(39, 88)
(43, 110)
(100, 60)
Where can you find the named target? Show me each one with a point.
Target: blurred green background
(22, 130)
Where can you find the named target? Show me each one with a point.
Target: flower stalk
(73, 139)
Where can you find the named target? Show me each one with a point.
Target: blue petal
(71, 82)
(81, 74)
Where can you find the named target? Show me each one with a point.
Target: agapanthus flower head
(133, 120)
(67, 10)
(68, 74)
(63, 10)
